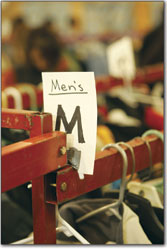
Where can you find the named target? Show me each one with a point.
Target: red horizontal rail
(146, 74)
(108, 168)
(153, 119)
(33, 121)
(17, 119)
(26, 160)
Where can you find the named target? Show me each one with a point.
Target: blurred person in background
(18, 41)
(152, 51)
(50, 26)
(13, 51)
(8, 77)
(45, 52)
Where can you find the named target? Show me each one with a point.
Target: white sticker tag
(71, 99)
(121, 60)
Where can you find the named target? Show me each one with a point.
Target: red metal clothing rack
(42, 160)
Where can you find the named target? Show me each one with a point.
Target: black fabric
(98, 229)
(116, 102)
(160, 214)
(13, 135)
(16, 204)
(22, 196)
(126, 133)
(16, 223)
(151, 218)
(152, 51)
(154, 233)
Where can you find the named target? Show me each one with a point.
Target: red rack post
(43, 213)
(23, 161)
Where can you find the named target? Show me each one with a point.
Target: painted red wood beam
(17, 119)
(26, 160)
(33, 121)
(108, 168)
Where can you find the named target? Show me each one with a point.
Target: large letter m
(69, 126)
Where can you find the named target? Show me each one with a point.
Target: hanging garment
(16, 223)
(131, 222)
(104, 227)
(148, 216)
(151, 218)
(101, 224)
(147, 191)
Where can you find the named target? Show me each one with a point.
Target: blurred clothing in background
(152, 51)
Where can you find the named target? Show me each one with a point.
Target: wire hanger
(142, 207)
(68, 229)
(133, 158)
(15, 93)
(160, 136)
(115, 193)
(143, 189)
(122, 187)
(31, 91)
(154, 132)
(150, 156)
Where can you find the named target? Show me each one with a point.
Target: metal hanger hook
(154, 132)
(133, 158)
(122, 187)
(123, 182)
(149, 152)
(160, 136)
(125, 167)
(64, 225)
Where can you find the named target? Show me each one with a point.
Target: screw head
(63, 186)
(53, 185)
(63, 150)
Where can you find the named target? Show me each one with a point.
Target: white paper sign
(71, 99)
(121, 59)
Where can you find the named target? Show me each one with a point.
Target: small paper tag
(71, 99)
(121, 59)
